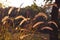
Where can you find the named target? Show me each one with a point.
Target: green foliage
(35, 8)
(0, 5)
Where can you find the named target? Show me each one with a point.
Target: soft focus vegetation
(9, 31)
(24, 28)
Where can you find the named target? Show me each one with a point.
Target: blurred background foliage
(18, 33)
